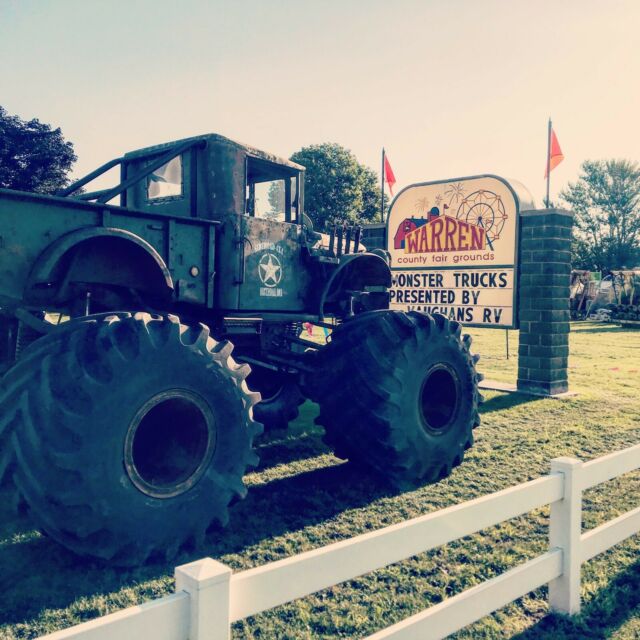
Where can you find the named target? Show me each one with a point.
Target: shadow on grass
(284, 449)
(502, 401)
(37, 574)
(290, 504)
(609, 609)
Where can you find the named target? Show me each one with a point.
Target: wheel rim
(169, 443)
(439, 399)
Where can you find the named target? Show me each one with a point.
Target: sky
(449, 88)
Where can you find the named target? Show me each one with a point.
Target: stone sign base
(545, 270)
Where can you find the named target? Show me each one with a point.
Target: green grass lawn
(301, 497)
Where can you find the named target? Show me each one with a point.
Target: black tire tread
(30, 391)
(358, 386)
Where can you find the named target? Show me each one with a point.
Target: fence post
(208, 584)
(565, 529)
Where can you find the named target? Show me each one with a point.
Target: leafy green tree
(33, 156)
(276, 199)
(338, 188)
(606, 201)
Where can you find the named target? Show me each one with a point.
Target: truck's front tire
(398, 393)
(131, 434)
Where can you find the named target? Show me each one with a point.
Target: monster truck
(126, 422)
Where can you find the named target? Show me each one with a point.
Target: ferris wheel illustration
(485, 209)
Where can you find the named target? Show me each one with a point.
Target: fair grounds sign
(454, 248)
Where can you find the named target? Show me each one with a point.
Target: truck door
(273, 278)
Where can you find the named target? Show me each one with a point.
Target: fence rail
(168, 617)
(274, 584)
(471, 605)
(209, 597)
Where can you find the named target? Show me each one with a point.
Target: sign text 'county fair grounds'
(453, 248)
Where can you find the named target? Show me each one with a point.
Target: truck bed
(37, 230)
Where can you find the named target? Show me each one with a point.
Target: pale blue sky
(449, 88)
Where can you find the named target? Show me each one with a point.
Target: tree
(606, 201)
(338, 188)
(33, 156)
(276, 199)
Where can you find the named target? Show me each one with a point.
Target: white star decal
(270, 270)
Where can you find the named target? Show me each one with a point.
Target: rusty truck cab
(252, 200)
(211, 176)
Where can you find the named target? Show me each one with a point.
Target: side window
(270, 200)
(166, 182)
(271, 191)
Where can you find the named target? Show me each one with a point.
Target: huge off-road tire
(8, 333)
(131, 434)
(10, 392)
(398, 393)
(281, 397)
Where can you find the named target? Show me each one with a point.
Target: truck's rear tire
(281, 397)
(398, 393)
(131, 434)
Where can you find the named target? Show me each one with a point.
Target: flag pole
(548, 162)
(382, 188)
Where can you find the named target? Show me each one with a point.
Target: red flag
(388, 174)
(555, 154)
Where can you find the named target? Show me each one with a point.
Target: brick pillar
(543, 306)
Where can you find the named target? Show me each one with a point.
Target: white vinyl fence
(209, 597)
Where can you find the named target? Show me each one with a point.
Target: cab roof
(213, 139)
